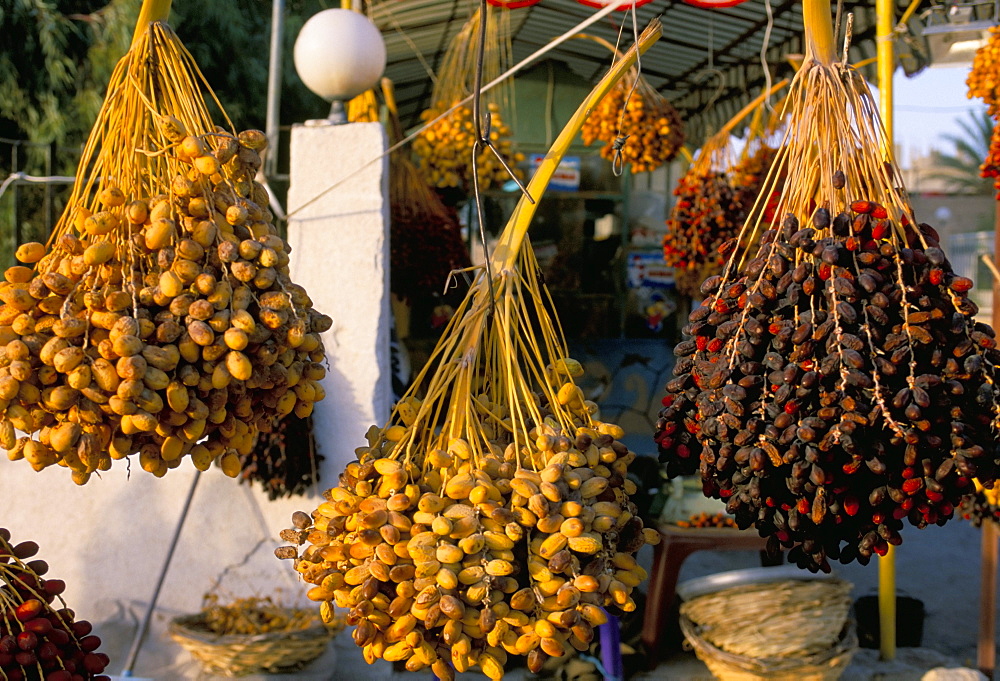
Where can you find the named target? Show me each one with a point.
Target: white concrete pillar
(340, 254)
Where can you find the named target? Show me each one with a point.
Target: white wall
(340, 253)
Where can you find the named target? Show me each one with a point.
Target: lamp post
(338, 55)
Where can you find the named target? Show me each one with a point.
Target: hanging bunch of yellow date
(160, 319)
(640, 121)
(491, 516)
(442, 150)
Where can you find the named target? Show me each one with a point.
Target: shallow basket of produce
(769, 624)
(233, 655)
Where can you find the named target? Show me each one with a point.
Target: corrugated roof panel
(695, 42)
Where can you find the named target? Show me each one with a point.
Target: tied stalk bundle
(160, 319)
(40, 641)
(427, 240)
(651, 129)
(283, 461)
(442, 150)
(491, 516)
(708, 212)
(834, 383)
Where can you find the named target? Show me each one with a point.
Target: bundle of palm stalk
(284, 461)
(639, 122)
(834, 382)
(426, 244)
(707, 213)
(491, 516)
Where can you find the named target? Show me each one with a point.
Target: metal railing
(965, 251)
(32, 196)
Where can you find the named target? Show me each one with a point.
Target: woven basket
(791, 630)
(826, 666)
(239, 655)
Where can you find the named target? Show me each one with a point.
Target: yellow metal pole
(986, 649)
(887, 564)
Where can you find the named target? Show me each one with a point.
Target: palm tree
(959, 170)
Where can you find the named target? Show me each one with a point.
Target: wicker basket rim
(846, 645)
(784, 583)
(192, 627)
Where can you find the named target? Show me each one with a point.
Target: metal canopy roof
(706, 57)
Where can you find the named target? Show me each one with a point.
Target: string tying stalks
(834, 383)
(655, 132)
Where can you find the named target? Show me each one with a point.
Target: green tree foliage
(55, 73)
(47, 94)
(960, 168)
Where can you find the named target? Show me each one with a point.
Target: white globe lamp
(339, 54)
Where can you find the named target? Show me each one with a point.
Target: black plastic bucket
(909, 622)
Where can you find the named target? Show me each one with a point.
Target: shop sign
(567, 175)
(647, 270)
(601, 4)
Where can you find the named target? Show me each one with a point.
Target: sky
(927, 106)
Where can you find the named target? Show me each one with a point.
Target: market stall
(741, 237)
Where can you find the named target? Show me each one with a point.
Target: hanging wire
(709, 71)
(766, 43)
(483, 142)
(618, 162)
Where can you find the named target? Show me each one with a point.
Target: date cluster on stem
(708, 212)
(469, 560)
(836, 388)
(38, 640)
